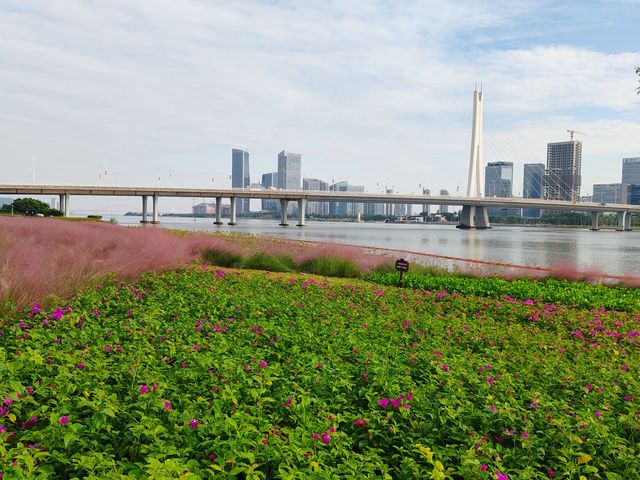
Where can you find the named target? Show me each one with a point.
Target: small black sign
(402, 265)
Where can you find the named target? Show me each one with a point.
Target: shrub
(221, 258)
(331, 267)
(261, 261)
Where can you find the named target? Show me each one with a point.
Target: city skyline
(128, 93)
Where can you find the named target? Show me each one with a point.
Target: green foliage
(221, 258)
(261, 261)
(203, 373)
(331, 267)
(30, 207)
(580, 294)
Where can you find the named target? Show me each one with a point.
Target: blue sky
(377, 93)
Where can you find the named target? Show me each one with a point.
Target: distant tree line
(30, 207)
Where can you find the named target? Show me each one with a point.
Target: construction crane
(573, 132)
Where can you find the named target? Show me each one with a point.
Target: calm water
(616, 253)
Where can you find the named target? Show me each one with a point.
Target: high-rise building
(426, 206)
(316, 208)
(630, 175)
(532, 187)
(289, 170)
(633, 194)
(498, 182)
(562, 177)
(444, 208)
(607, 193)
(345, 209)
(240, 176)
(270, 181)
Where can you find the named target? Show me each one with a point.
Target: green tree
(28, 206)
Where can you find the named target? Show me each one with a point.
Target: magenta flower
(490, 380)
(524, 435)
(501, 476)
(395, 402)
(326, 438)
(7, 401)
(534, 405)
(263, 364)
(360, 422)
(144, 389)
(64, 420)
(196, 347)
(445, 367)
(383, 402)
(551, 473)
(624, 368)
(167, 405)
(483, 467)
(193, 423)
(492, 408)
(3, 429)
(107, 348)
(80, 365)
(597, 414)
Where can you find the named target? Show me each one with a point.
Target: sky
(378, 93)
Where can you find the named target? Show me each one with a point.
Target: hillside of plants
(211, 373)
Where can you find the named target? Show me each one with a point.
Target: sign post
(402, 266)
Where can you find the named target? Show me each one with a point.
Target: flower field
(205, 373)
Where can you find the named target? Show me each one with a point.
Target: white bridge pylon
(475, 186)
(475, 216)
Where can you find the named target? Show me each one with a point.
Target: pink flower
(492, 408)
(445, 367)
(395, 402)
(7, 401)
(588, 388)
(534, 405)
(597, 414)
(64, 420)
(80, 365)
(155, 387)
(326, 438)
(193, 423)
(366, 325)
(624, 368)
(263, 364)
(524, 435)
(551, 473)
(360, 422)
(196, 348)
(501, 476)
(144, 389)
(107, 348)
(483, 467)
(490, 380)
(383, 402)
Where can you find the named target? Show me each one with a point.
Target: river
(607, 251)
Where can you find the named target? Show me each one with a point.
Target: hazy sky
(373, 92)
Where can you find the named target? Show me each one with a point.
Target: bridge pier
(284, 203)
(62, 199)
(144, 209)
(155, 210)
(66, 202)
(624, 221)
(302, 206)
(218, 211)
(474, 216)
(234, 202)
(594, 221)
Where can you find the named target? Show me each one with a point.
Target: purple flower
(3, 428)
(80, 365)
(64, 420)
(534, 405)
(383, 402)
(524, 435)
(7, 401)
(193, 423)
(360, 422)
(144, 389)
(395, 402)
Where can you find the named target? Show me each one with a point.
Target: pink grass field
(43, 257)
(40, 257)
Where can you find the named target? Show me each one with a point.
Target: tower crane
(573, 132)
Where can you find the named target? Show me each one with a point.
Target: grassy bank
(210, 373)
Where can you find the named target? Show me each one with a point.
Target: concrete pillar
(66, 204)
(62, 199)
(155, 210)
(622, 221)
(234, 202)
(218, 211)
(283, 205)
(144, 209)
(474, 216)
(594, 221)
(627, 222)
(302, 206)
